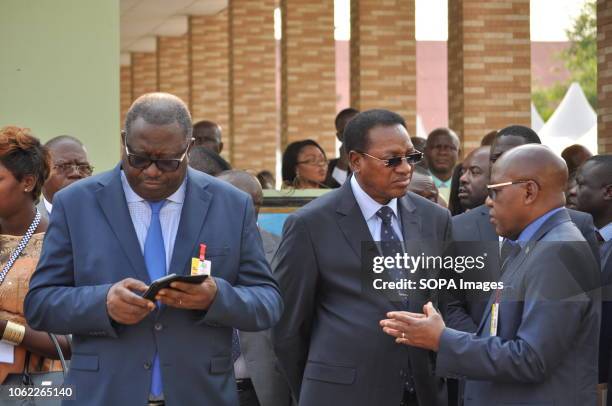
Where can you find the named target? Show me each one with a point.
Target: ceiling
(143, 20)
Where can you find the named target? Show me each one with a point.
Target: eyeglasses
(492, 189)
(67, 168)
(314, 162)
(411, 159)
(164, 165)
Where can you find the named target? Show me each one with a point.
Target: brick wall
(604, 76)
(144, 73)
(253, 117)
(308, 73)
(210, 72)
(173, 66)
(489, 67)
(383, 57)
(125, 91)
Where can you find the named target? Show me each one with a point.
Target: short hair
(290, 158)
(443, 131)
(488, 139)
(605, 161)
(62, 138)
(23, 154)
(343, 115)
(201, 130)
(357, 130)
(159, 109)
(418, 143)
(530, 136)
(207, 161)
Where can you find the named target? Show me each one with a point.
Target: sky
(549, 19)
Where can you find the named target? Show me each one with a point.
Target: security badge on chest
(201, 266)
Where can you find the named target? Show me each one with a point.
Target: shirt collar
(369, 206)
(132, 197)
(48, 205)
(441, 183)
(606, 232)
(529, 231)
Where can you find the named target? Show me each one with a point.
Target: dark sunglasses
(164, 165)
(411, 159)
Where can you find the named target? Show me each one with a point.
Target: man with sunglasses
(69, 163)
(328, 341)
(537, 340)
(467, 308)
(113, 234)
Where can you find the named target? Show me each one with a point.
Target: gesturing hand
(126, 307)
(417, 330)
(189, 295)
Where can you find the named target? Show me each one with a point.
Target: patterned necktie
(390, 244)
(509, 250)
(155, 260)
(235, 345)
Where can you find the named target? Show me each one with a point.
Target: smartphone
(165, 282)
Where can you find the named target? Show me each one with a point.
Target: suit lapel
(195, 208)
(114, 206)
(411, 223)
(552, 222)
(351, 220)
(487, 231)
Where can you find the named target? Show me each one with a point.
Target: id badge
(201, 266)
(494, 318)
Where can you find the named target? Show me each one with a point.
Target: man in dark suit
(257, 371)
(328, 341)
(338, 169)
(538, 339)
(114, 233)
(593, 192)
(466, 308)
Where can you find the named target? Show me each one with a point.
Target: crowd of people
(285, 319)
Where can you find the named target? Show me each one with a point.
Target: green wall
(59, 71)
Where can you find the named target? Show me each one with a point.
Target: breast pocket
(329, 373)
(216, 252)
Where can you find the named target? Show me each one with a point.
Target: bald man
(257, 363)
(537, 342)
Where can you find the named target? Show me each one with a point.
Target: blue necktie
(235, 345)
(389, 241)
(155, 260)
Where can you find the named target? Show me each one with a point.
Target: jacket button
(147, 365)
(159, 327)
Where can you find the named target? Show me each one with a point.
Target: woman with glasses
(304, 165)
(24, 167)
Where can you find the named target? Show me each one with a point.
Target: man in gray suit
(538, 339)
(69, 163)
(467, 307)
(258, 379)
(328, 341)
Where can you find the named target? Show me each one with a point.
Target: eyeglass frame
(388, 163)
(492, 189)
(71, 166)
(154, 161)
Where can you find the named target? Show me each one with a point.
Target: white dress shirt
(169, 216)
(369, 207)
(48, 205)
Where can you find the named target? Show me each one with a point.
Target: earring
(26, 190)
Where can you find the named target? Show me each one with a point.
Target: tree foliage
(580, 59)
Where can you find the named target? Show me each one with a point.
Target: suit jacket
(91, 244)
(329, 341)
(270, 385)
(605, 343)
(546, 346)
(465, 309)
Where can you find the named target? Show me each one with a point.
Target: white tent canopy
(573, 122)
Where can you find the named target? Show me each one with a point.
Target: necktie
(235, 345)
(155, 260)
(389, 241)
(509, 250)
